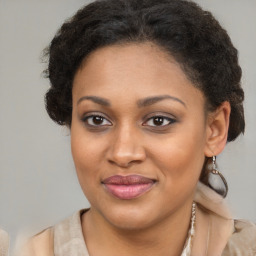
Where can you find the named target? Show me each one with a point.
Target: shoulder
(56, 239)
(38, 245)
(68, 236)
(243, 239)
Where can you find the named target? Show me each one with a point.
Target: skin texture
(126, 141)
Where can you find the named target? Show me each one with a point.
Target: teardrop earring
(216, 180)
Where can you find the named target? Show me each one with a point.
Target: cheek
(86, 147)
(86, 155)
(180, 170)
(180, 157)
(86, 162)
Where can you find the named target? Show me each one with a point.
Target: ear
(217, 130)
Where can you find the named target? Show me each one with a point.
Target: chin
(130, 224)
(129, 218)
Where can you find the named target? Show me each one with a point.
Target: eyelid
(147, 118)
(169, 117)
(158, 114)
(95, 113)
(88, 115)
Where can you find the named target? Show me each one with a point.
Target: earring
(216, 180)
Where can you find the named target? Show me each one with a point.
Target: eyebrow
(141, 103)
(95, 99)
(152, 100)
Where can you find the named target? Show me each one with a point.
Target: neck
(166, 238)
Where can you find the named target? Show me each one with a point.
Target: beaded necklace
(191, 233)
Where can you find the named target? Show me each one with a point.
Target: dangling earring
(216, 180)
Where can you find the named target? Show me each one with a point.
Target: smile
(128, 187)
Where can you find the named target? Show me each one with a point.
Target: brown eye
(159, 121)
(96, 120)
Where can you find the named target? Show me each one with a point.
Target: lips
(128, 187)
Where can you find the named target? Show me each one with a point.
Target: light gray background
(38, 184)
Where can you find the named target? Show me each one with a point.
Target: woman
(151, 93)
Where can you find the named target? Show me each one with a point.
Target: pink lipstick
(128, 187)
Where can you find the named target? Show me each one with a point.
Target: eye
(96, 120)
(159, 121)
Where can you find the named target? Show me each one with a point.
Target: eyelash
(162, 118)
(89, 119)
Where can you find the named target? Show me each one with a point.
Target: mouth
(128, 187)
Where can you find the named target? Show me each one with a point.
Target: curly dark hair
(181, 28)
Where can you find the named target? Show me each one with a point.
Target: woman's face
(138, 134)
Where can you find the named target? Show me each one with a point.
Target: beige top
(4, 243)
(216, 233)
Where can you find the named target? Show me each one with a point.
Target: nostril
(125, 148)
(126, 161)
(123, 164)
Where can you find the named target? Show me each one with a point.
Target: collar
(214, 223)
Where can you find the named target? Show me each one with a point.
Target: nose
(126, 147)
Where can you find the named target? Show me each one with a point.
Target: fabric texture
(216, 233)
(243, 240)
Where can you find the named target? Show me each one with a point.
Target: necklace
(191, 233)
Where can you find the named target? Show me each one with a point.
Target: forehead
(133, 70)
